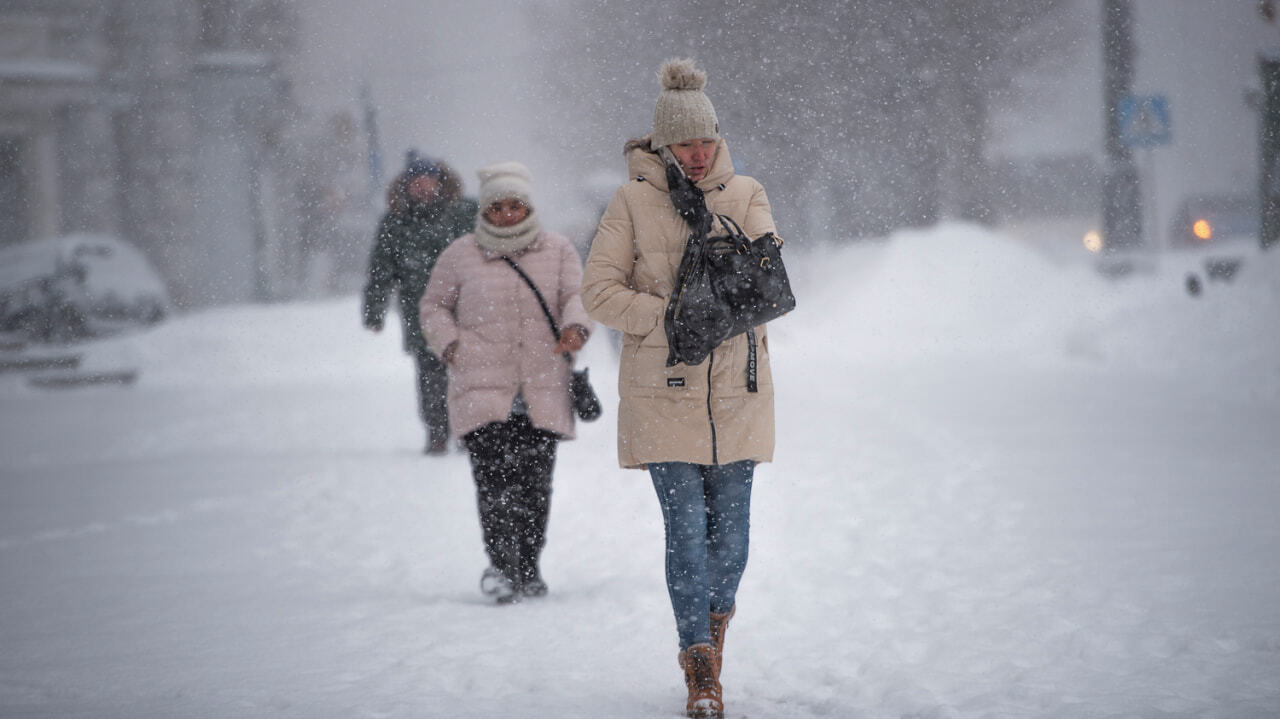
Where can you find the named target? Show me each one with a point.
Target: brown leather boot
(701, 665)
(719, 623)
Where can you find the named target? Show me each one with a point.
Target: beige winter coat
(505, 344)
(704, 413)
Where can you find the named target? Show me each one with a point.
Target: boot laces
(700, 666)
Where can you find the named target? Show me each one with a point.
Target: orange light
(1202, 230)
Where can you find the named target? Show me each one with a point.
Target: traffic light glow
(1202, 230)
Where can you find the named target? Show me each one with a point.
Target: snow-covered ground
(1004, 487)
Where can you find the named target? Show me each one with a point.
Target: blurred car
(1223, 229)
(1215, 220)
(1209, 235)
(77, 287)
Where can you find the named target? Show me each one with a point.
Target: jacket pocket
(478, 364)
(644, 373)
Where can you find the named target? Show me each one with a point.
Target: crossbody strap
(555, 329)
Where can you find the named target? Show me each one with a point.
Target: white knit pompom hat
(683, 111)
(505, 180)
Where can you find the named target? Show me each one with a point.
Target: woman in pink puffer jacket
(508, 378)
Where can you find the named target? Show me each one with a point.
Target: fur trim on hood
(638, 143)
(398, 202)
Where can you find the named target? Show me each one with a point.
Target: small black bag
(581, 395)
(726, 285)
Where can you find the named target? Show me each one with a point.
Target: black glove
(688, 200)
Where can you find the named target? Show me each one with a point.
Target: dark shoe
(494, 584)
(534, 588)
(437, 443)
(701, 666)
(512, 598)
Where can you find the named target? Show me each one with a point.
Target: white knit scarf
(507, 240)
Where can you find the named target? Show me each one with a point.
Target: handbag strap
(752, 357)
(730, 224)
(555, 328)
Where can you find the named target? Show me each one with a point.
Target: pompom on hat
(505, 180)
(683, 111)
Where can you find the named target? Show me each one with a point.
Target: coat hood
(400, 204)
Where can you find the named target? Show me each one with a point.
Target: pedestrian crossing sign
(1143, 121)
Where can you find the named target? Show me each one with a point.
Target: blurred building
(159, 121)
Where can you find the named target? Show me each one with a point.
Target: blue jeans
(706, 511)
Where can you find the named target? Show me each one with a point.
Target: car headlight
(1093, 241)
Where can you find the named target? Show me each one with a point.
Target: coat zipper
(715, 455)
(711, 358)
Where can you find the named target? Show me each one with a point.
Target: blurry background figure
(425, 212)
(337, 209)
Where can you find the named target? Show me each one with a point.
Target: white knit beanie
(683, 111)
(505, 180)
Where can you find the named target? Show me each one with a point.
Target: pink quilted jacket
(505, 344)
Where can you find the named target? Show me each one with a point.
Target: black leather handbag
(586, 404)
(726, 285)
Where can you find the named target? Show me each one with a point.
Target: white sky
(446, 76)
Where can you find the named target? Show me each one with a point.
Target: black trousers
(433, 392)
(511, 463)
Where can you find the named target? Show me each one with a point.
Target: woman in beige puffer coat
(508, 378)
(699, 430)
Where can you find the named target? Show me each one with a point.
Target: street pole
(1269, 151)
(1121, 201)
(373, 147)
(1154, 241)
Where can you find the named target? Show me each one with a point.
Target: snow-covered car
(75, 287)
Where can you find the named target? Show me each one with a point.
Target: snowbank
(952, 294)
(960, 293)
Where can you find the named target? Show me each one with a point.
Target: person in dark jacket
(426, 211)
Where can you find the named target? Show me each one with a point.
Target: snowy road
(971, 515)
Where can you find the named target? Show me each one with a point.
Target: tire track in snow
(164, 517)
